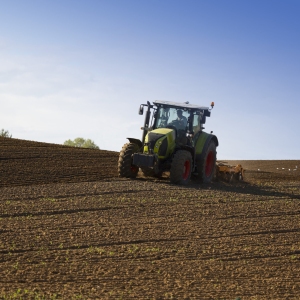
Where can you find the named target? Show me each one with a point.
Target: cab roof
(179, 105)
(205, 110)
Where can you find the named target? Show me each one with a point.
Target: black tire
(207, 165)
(125, 166)
(181, 167)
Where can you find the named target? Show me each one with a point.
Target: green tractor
(174, 141)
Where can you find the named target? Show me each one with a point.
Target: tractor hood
(160, 141)
(163, 131)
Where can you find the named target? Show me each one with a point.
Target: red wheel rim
(209, 164)
(186, 169)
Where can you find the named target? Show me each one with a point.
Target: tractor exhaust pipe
(147, 120)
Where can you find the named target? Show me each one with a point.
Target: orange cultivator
(229, 173)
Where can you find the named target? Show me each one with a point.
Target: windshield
(170, 116)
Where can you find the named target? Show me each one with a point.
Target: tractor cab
(185, 119)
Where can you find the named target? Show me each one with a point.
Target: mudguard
(136, 141)
(202, 142)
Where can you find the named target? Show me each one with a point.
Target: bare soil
(71, 229)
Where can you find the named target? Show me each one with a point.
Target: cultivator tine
(229, 173)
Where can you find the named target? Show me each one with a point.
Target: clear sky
(81, 68)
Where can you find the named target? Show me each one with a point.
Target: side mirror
(141, 110)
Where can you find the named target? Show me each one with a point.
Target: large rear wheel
(207, 165)
(181, 168)
(125, 166)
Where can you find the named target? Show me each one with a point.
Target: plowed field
(71, 229)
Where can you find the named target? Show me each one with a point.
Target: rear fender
(202, 143)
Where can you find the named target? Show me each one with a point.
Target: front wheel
(206, 166)
(181, 167)
(125, 166)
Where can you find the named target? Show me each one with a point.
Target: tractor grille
(152, 138)
(163, 148)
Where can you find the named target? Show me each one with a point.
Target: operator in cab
(182, 120)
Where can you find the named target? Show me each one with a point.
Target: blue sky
(81, 68)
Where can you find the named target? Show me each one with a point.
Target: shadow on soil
(244, 187)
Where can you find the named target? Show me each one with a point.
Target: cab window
(167, 116)
(196, 123)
